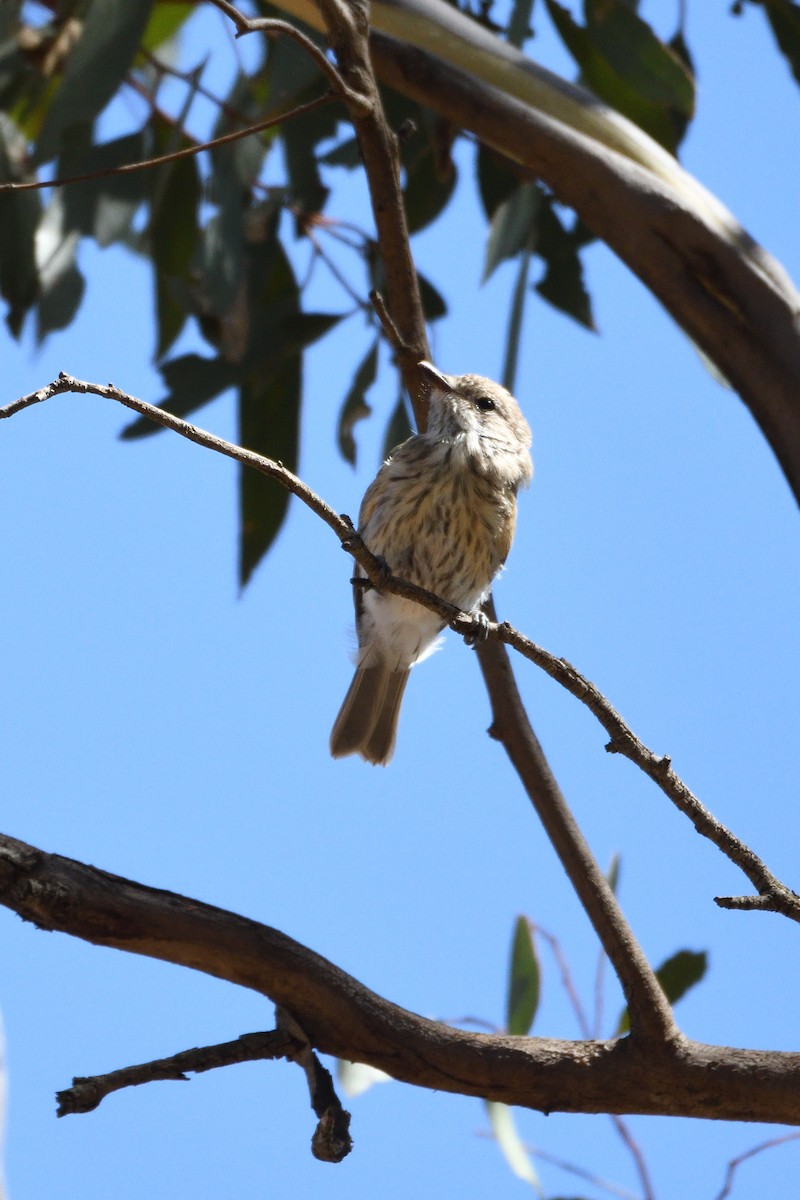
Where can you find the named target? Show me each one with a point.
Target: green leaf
(497, 179)
(613, 872)
(60, 298)
(104, 208)
(501, 1119)
(192, 381)
(524, 980)
(165, 21)
(269, 422)
(19, 218)
(519, 26)
(562, 285)
(515, 317)
(112, 31)
(512, 226)
(301, 329)
(433, 302)
(427, 189)
(784, 17)
(61, 284)
(625, 64)
(677, 975)
(355, 407)
(344, 154)
(399, 427)
(174, 236)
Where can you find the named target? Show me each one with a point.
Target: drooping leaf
(173, 230)
(356, 1078)
(497, 179)
(345, 154)
(192, 381)
(784, 17)
(627, 65)
(563, 284)
(519, 25)
(613, 872)
(398, 428)
(269, 422)
(354, 407)
(61, 284)
(104, 208)
(294, 79)
(19, 217)
(427, 189)
(433, 302)
(511, 226)
(501, 1119)
(174, 233)
(515, 318)
(60, 297)
(524, 981)
(677, 975)
(301, 329)
(110, 37)
(165, 21)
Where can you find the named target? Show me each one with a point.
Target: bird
(441, 513)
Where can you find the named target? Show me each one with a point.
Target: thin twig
(89, 1091)
(159, 160)
(773, 895)
(735, 1163)
(624, 1133)
(274, 27)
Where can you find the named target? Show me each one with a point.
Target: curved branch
(342, 1017)
(773, 895)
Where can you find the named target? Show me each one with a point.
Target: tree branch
(331, 1141)
(342, 1017)
(161, 159)
(773, 895)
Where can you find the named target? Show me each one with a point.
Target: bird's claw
(480, 630)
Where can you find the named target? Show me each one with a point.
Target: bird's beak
(434, 377)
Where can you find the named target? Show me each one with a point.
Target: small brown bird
(441, 512)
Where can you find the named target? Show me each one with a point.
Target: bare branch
(160, 159)
(735, 1163)
(340, 1016)
(88, 1092)
(273, 27)
(773, 895)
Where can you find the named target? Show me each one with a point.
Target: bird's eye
(485, 403)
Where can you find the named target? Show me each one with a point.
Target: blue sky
(161, 727)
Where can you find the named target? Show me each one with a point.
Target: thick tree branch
(342, 1017)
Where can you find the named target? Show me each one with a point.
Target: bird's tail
(367, 720)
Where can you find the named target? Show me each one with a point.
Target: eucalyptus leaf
(398, 429)
(524, 980)
(192, 381)
(677, 975)
(19, 218)
(354, 407)
(269, 423)
(110, 37)
(501, 1119)
(513, 226)
(627, 65)
(784, 17)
